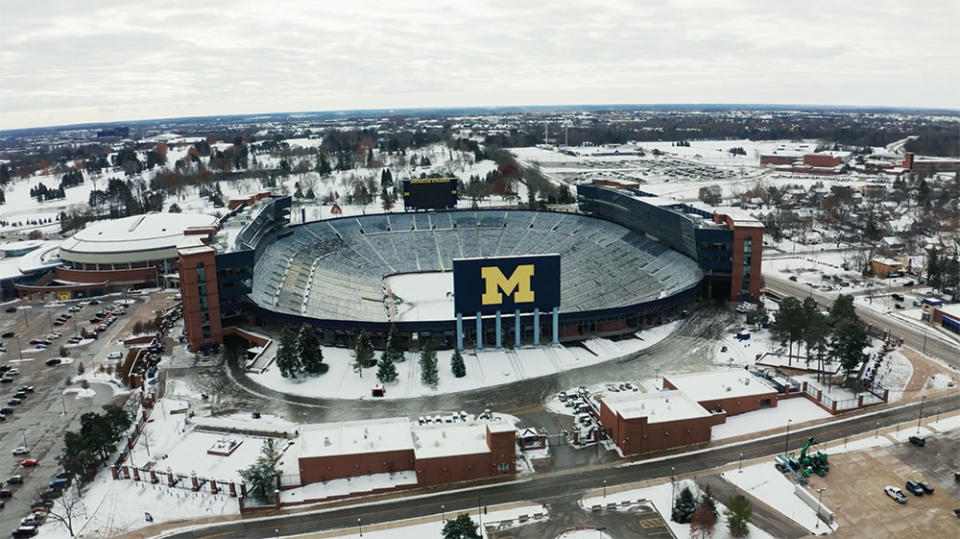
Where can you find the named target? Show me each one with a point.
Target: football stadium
(378, 271)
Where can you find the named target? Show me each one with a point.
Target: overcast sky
(64, 62)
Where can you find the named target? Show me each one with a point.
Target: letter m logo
(518, 284)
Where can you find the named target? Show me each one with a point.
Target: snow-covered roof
(721, 384)
(137, 233)
(657, 407)
(444, 440)
(355, 437)
(952, 310)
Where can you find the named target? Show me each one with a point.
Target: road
(928, 341)
(551, 485)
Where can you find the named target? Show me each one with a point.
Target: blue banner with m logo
(506, 284)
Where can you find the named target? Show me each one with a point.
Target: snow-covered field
(422, 296)
(764, 482)
(660, 496)
(798, 410)
(486, 368)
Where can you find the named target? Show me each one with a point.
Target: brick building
(644, 422)
(440, 453)
(734, 391)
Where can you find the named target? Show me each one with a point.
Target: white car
(115, 355)
(895, 493)
(22, 450)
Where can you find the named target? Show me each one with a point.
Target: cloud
(114, 60)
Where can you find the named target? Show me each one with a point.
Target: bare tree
(68, 507)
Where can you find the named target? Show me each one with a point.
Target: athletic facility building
(468, 278)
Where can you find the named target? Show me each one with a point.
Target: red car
(29, 463)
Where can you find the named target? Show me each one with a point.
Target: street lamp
(786, 443)
(443, 513)
(876, 431)
(938, 415)
(673, 488)
(360, 526)
(920, 415)
(24, 432)
(819, 504)
(740, 467)
(604, 489)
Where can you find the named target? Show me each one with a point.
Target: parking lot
(39, 420)
(855, 489)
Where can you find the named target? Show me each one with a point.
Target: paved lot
(43, 417)
(855, 490)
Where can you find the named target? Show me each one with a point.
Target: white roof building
(657, 407)
(721, 384)
(138, 239)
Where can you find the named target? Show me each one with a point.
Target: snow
(354, 437)
(422, 296)
(720, 384)
(501, 517)
(940, 381)
(661, 497)
(584, 534)
(903, 432)
(946, 423)
(798, 409)
(349, 485)
(839, 446)
(764, 482)
(488, 367)
(658, 407)
(80, 392)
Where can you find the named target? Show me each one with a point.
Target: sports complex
(378, 271)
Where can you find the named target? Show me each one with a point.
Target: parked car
(6, 411)
(52, 362)
(94, 302)
(8, 335)
(5, 494)
(927, 487)
(918, 441)
(22, 450)
(115, 355)
(24, 531)
(6, 380)
(914, 488)
(895, 493)
(27, 389)
(29, 463)
(14, 402)
(15, 479)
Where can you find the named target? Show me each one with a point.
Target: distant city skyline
(106, 60)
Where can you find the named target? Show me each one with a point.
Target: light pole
(876, 431)
(786, 443)
(19, 350)
(938, 415)
(24, 432)
(443, 513)
(920, 415)
(360, 526)
(673, 488)
(819, 504)
(604, 489)
(479, 510)
(740, 467)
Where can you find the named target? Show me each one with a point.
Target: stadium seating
(335, 268)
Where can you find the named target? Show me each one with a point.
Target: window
(503, 467)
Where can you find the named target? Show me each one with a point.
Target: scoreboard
(430, 194)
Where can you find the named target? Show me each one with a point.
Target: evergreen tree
(428, 366)
(362, 352)
(395, 346)
(462, 527)
(288, 360)
(386, 200)
(684, 506)
(386, 371)
(788, 324)
(457, 365)
(263, 473)
(843, 310)
(311, 351)
(847, 344)
(738, 515)
(934, 271)
(323, 166)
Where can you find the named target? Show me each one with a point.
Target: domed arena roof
(140, 238)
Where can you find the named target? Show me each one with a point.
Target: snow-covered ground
(432, 526)
(660, 496)
(488, 367)
(764, 482)
(798, 410)
(422, 296)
